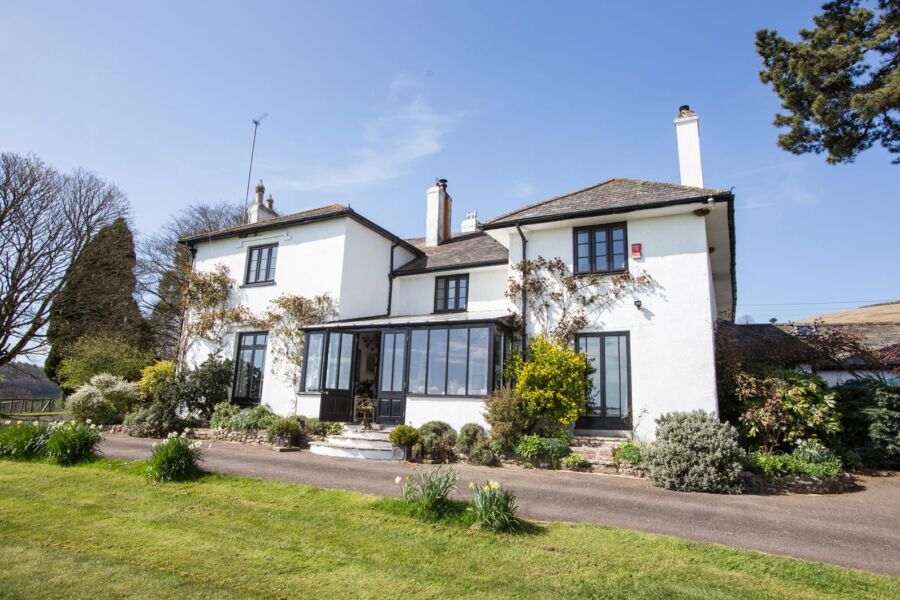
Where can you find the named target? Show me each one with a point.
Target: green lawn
(100, 530)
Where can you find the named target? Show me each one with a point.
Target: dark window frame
(267, 278)
(442, 308)
(592, 255)
(239, 346)
(491, 381)
(602, 335)
(322, 359)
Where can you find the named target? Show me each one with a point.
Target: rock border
(754, 483)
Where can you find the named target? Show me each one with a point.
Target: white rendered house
(424, 324)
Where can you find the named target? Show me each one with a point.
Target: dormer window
(261, 264)
(451, 293)
(600, 249)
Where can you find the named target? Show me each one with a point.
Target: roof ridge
(526, 207)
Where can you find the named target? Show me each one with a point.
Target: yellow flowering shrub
(552, 385)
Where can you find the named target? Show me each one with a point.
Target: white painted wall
(671, 337)
(311, 261)
(455, 411)
(414, 294)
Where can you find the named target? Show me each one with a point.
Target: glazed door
(337, 393)
(392, 379)
(609, 405)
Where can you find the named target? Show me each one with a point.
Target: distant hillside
(889, 312)
(24, 380)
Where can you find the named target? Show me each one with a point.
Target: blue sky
(512, 102)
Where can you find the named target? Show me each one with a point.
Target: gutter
(524, 291)
(391, 276)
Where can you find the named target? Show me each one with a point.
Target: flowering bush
(175, 459)
(103, 400)
(494, 507)
(154, 376)
(429, 490)
(71, 443)
(552, 385)
(24, 440)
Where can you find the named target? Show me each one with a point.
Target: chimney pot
(260, 192)
(270, 202)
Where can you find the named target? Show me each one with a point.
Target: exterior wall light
(637, 304)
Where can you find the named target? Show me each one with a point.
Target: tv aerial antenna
(256, 123)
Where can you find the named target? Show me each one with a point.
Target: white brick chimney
(687, 130)
(258, 211)
(437, 213)
(470, 223)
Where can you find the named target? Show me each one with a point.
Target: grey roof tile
(460, 251)
(612, 195)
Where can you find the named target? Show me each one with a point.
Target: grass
(100, 530)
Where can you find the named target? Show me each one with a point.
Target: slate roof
(460, 251)
(322, 213)
(607, 197)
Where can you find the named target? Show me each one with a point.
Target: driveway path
(860, 529)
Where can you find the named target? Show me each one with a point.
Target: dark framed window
(601, 249)
(312, 363)
(249, 367)
(451, 293)
(609, 355)
(261, 264)
(450, 361)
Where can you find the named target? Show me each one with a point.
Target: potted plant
(284, 432)
(404, 436)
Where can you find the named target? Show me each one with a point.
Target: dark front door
(391, 386)
(337, 393)
(609, 405)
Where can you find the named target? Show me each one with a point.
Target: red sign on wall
(635, 251)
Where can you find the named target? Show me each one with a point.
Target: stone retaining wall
(250, 436)
(796, 484)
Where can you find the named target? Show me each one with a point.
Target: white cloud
(405, 130)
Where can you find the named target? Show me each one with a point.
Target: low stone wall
(796, 484)
(118, 428)
(250, 436)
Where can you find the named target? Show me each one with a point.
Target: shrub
(483, 455)
(785, 407)
(287, 427)
(502, 447)
(495, 508)
(24, 440)
(870, 426)
(197, 391)
(154, 376)
(438, 440)
(429, 490)
(470, 435)
(695, 452)
(157, 418)
(535, 448)
(629, 452)
(781, 465)
(91, 355)
(222, 414)
(502, 414)
(404, 435)
(811, 451)
(103, 400)
(72, 443)
(323, 428)
(174, 459)
(575, 462)
(552, 385)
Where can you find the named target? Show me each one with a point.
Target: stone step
(365, 435)
(357, 442)
(345, 451)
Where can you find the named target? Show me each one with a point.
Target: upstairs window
(451, 293)
(261, 264)
(600, 249)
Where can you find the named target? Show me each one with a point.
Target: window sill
(260, 284)
(603, 273)
(444, 312)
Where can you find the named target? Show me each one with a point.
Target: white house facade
(425, 324)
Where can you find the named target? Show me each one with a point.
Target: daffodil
(398, 479)
(471, 485)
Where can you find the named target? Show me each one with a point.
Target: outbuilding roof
(607, 197)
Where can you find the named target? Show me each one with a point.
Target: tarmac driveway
(859, 529)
